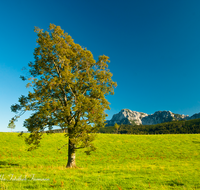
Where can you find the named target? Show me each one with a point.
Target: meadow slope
(120, 162)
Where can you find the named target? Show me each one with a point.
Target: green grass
(120, 162)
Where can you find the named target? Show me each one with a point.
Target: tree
(116, 127)
(69, 89)
(11, 126)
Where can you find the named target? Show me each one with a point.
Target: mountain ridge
(127, 116)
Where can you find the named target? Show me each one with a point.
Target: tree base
(71, 166)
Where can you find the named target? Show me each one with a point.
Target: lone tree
(116, 127)
(69, 89)
(11, 126)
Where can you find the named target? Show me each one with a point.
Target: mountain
(126, 116)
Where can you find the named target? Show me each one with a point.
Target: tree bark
(71, 155)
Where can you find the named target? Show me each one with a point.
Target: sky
(153, 46)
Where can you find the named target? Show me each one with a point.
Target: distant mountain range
(126, 116)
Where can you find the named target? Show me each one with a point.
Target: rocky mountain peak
(126, 116)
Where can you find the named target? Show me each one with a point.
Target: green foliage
(109, 129)
(11, 125)
(174, 127)
(116, 126)
(69, 89)
(127, 161)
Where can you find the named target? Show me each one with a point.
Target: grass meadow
(120, 162)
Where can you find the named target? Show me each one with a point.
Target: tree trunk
(71, 155)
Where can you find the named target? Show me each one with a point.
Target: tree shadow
(196, 142)
(175, 183)
(4, 164)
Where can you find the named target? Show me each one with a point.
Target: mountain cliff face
(162, 117)
(126, 116)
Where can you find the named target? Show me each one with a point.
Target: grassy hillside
(120, 162)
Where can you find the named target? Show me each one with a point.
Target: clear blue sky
(154, 48)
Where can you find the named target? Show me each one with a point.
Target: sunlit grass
(120, 162)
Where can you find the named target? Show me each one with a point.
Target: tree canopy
(68, 90)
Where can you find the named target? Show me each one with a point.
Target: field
(120, 162)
